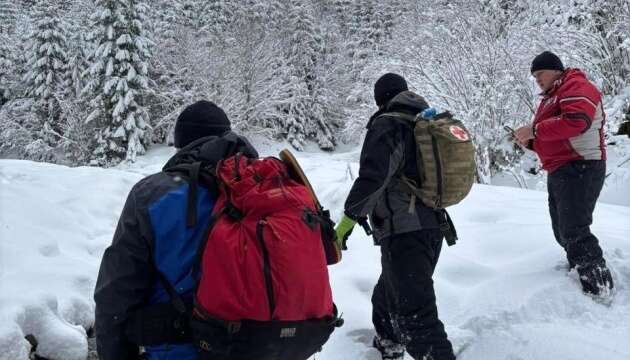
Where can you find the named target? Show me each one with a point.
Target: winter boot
(596, 279)
(389, 350)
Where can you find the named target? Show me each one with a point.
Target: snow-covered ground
(503, 291)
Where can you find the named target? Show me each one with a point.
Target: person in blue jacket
(154, 249)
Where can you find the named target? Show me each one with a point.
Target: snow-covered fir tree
(341, 11)
(46, 80)
(304, 51)
(366, 28)
(276, 15)
(252, 65)
(78, 45)
(168, 66)
(166, 16)
(7, 70)
(218, 15)
(118, 80)
(77, 64)
(211, 15)
(391, 13)
(8, 16)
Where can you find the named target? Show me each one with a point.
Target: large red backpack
(264, 258)
(264, 290)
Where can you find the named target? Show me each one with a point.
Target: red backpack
(264, 262)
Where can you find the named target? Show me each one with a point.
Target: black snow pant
(404, 309)
(573, 192)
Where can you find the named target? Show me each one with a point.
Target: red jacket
(569, 122)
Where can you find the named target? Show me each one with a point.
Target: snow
(503, 291)
(56, 222)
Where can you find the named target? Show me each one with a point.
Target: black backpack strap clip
(447, 227)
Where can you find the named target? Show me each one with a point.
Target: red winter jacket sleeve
(577, 100)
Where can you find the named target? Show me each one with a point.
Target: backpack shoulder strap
(176, 299)
(407, 119)
(194, 173)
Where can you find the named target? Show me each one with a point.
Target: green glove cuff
(345, 224)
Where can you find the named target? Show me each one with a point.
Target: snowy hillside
(503, 291)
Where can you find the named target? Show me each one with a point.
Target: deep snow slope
(503, 290)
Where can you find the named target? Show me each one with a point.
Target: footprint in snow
(50, 249)
(365, 286)
(365, 336)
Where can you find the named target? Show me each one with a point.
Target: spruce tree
(165, 76)
(78, 46)
(365, 33)
(391, 14)
(8, 16)
(218, 14)
(7, 69)
(342, 11)
(366, 27)
(165, 17)
(46, 79)
(303, 110)
(118, 80)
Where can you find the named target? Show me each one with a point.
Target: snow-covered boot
(596, 279)
(389, 350)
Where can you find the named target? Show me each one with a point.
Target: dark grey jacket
(388, 152)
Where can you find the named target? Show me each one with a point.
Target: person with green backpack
(413, 164)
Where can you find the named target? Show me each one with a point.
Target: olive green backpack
(445, 159)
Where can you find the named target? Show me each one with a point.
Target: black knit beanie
(547, 61)
(198, 120)
(388, 86)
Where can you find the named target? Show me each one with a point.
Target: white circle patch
(459, 133)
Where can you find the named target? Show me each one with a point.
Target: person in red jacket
(567, 134)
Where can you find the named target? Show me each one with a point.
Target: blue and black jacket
(162, 224)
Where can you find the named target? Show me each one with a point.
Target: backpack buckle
(309, 218)
(233, 327)
(204, 345)
(233, 212)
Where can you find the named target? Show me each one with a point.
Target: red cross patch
(459, 133)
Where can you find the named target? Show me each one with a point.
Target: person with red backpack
(568, 135)
(156, 242)
(213, 231)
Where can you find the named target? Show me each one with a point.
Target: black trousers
(573, 192)
(403, 300)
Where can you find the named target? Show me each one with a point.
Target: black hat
(547, 61)
(198, 120)
(388, 86)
